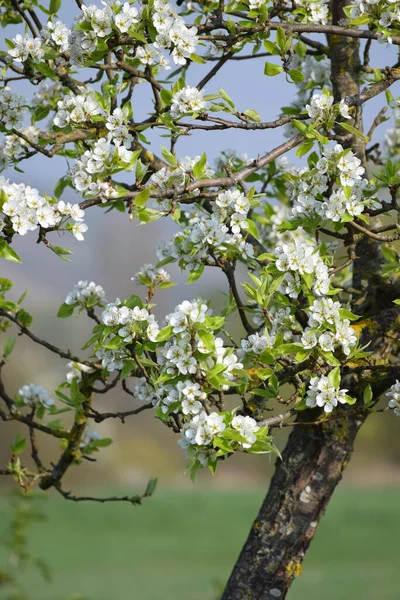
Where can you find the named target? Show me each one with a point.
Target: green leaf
(347, 314)
(165, 333)
(354, 131)
(197, 59)
(65, 310)
(226, 97)
(368, 395)
(271, 69)
(54, 6)
(195, 274)
(169, 157)
(207, 339)
(142, 198)
(397, 301)
(296, 75)
(281, 39)
(129, 366)
(198, 168)
(151, 486)
(45, 70)
(18, 446)
(271, 47)
(252, 115)
(61, 252)
(334, 377)
(8, 347)
(304, 148)
(8, 253)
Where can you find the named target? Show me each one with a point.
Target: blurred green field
(181, 545)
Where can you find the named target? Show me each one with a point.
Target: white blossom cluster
(316, 72)
(187, 101)
(132, 323)
(392, 141)
(77, 370)
(307, 187)
(257, 343)
(112, 360)
(27, 210)
(105, 156)
(394, 395)
(323, 314)
(298, 259)
(151, 276)
(385, 13)
(73, 110)
(87, 295)
(321, 105)
(173, 178)
(122, 18)
(323, 393)
(35, 395)
(56, 33)
(172, 32)
(317, 10)
(12, 145)
(204, 232)
(12, 108)
(26, 47)
(198, 433)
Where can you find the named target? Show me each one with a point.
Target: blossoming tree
(319, 307)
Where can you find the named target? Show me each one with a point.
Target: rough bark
(315, 456)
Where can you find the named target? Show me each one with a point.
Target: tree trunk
(316, 455)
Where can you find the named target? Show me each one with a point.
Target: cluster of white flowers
(57, 33)
(395, 105)
(392, 141)
(145, 392)
(47, 94)
(394, 395)
(204, 232)
(136, 322)
(86, 294)
(247, 427)
(112, 360)
(77, 370)
(73, 110)
(26, 47)
(321, 105)
(35, 395)
(297, 259)
(317, 10)
(257, 343)
(27, 210)
(316, 72)
(201, 429)
(324, 313)
(385, 12)
(151, 276)
(12, 145)
(89, 172)
(308, 186)
(172, 178)
(188, 100)
(12, 108)
(323, 393)
(115, 17)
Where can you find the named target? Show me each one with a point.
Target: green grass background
(181, 545)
